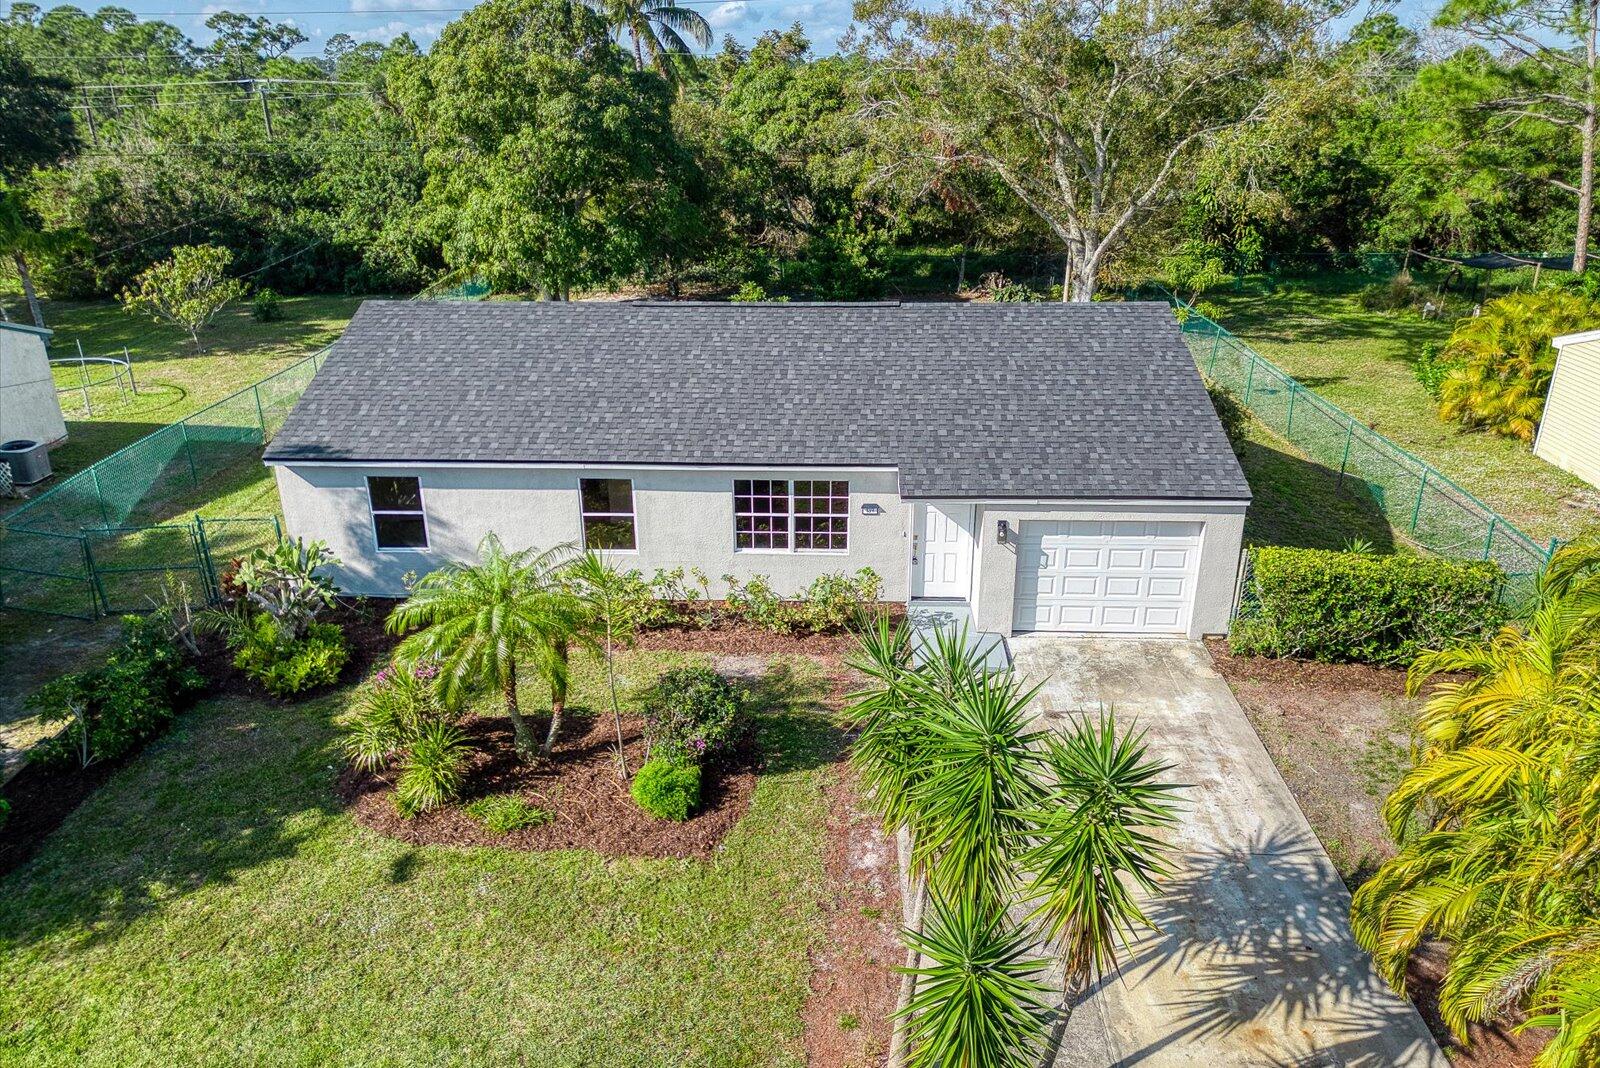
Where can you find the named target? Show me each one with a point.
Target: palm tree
(656, 28)
(603, 591)
(1498, 822)
(480, 619)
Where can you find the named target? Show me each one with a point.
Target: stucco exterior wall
(995, 588)
(684, 518)
(28, 405)
(1569, 433)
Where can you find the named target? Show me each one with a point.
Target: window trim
(583, 516)
(421, 512)
(788, 482)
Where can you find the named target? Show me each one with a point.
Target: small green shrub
(434, 770)
(285, 666)
(1432, 367)
(504, 813)
(266, 306)
(1324, 605)
(757, 602)
(391, 715)
(1235, 418)
(110, 710)
(666, 789)
(692, 713)
(828, 604)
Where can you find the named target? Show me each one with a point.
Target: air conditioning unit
(29, 461)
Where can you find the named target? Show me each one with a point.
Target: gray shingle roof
(967, 400)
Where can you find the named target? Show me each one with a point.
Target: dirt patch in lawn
(853, 984)
(1339, 735)
(578, 785)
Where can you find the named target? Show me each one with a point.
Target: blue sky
(380, 20)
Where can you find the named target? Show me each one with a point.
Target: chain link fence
(103, 540)
(1423, 505)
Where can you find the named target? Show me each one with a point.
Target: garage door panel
(1093, 576)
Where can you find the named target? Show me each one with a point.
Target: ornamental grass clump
(401, 725)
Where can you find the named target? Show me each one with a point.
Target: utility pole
(266, 113)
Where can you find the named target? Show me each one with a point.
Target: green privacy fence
(1420, 502)
(103, 540)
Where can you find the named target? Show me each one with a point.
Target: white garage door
(1104, 577)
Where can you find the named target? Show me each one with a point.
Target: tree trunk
(616, 708)
(1085, 269)
(526, 746)
(638, 53)
(961, 272)
(1580, 250)
(898, 1040)
(23, 273)
(194, 336)
(558, 697)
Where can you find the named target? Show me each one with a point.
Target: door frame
(919, 526)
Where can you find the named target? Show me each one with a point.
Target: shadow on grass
(235, 785)
(798, 730)
(1304, 504)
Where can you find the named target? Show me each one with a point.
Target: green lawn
(173, 380)
(213, 905)
(1317, 331)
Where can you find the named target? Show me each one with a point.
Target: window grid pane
(822, 511)
(760, 513)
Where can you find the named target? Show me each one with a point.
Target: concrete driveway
(1253, 963)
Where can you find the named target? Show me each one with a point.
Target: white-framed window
(398, 521)
(608, 516)
(776, 515)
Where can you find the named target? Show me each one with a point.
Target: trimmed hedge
(1377, 609)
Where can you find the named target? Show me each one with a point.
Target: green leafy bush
(692, 713)
(285, 665)
(434, 769)
(5, 812)
(504, 813)
(266, 306)
(110, 710)
(829, 603)
(667, 789)
(1324, 605)
(1432, 367)
(1235, 418)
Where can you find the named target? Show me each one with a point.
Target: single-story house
(29, 407)
(1569, 432)
(1046, 466)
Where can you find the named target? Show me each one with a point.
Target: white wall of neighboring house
(1569, 433)
(29, 407)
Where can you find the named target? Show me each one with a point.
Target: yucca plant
(1095, 843)
(1502, 361)
(1499, 822)
(979, 1002)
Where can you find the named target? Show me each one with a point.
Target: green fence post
(90, 581)
(208, 567)
(261, 416)
(1488, 540)
(94, 575)
(1216, 341)
(1349, 429)
(1250, 379)
(188, 450)
(94, 476)
(277, 530)
(1416, 510)
(1288, 428)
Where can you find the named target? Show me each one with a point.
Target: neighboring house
(29, 407)
(1054, 466)
(1569, 432)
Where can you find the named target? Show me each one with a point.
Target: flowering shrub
(691, 714)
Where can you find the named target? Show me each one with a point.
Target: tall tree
(1088, 113)
(656, 30)
(552, 163)
(1547, 76)
(35, 124)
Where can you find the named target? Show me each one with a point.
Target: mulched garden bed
(370, 646)
(733, 638)
(579, 784)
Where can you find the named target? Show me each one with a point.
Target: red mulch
(734, 638)
(579, 784)
(853, 985)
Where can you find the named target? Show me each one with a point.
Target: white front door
(943, 551)
(1094, 576)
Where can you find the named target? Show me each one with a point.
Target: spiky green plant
(479, 620)
(434, 769)
(1095, 842)
(1502, 360)
(979, 1002)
